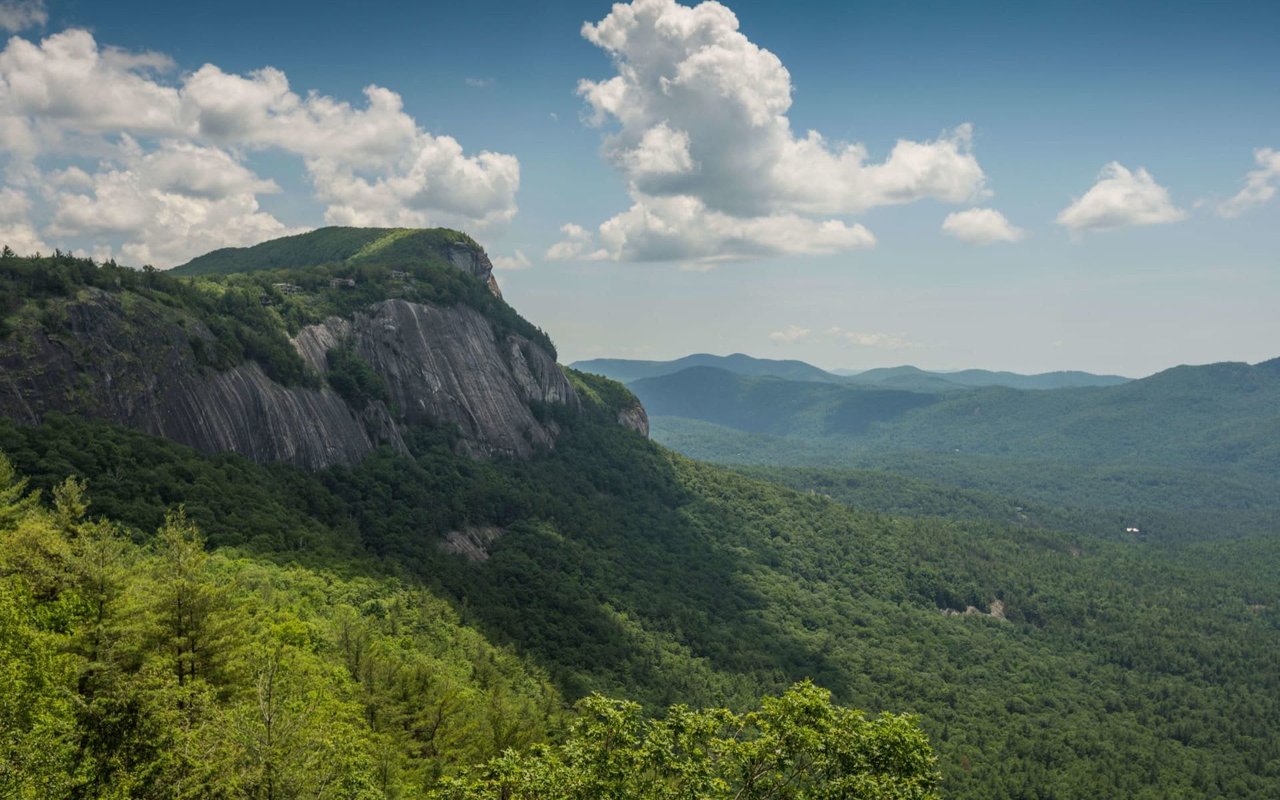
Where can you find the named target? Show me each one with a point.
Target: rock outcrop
(445, 366)
(474, 261)
(137, 367)
(635, 418)
(145, 360)
(132, 361)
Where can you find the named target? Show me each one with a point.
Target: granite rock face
(475, 262)
(445, 366)
(635, 418)
(137, 368)
(131, 360)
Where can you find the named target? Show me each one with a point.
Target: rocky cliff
(396, 338)
(131, 360)
(446, 366)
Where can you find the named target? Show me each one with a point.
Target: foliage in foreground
(167, 671)
(796, 746)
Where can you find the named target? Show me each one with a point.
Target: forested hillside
(1048, 651)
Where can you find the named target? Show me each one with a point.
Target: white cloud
(699, 127)
(981, 226)
(16, 231)
(1121, 199)
(886, 341)
(166, 206)
(682, 228)
(1259, 185)
(18, 15)
(790, 334)
(516, 261)
(793, 334)
(575, 242)
(369, 165)
(479, 83)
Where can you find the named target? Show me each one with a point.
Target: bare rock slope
(131, 360)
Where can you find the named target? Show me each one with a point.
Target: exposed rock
(136, 367)
(245, 411)
(131, 361)
(634, 418)
(996, 612)
(474, 261)
(445, 366)
(472, 543)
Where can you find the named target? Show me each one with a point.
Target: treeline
(162, 670)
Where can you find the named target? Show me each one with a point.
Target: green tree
(798, 746)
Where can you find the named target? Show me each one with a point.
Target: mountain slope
(773, 405)
(627, 370)
(1073, 663)
(313, 365)
(1220, 415)
(916, 379)
(904, 377)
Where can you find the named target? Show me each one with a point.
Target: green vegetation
(252, 315)
(1123, 665)
(795, 746)
(326, 643)
(331, 246)
(353, 378)
(162, 670)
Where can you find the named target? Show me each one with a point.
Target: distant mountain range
(1205, 417)
(904, 377)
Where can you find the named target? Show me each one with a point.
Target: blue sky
(719, 234)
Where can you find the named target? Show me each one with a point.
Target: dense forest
(175, 622)
(1038, 660)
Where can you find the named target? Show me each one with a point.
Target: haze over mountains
(904, 377)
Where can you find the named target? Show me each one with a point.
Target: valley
(995, 593)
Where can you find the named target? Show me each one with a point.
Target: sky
(1009, 185)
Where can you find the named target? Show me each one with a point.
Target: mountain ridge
(315, 364)
(901, 377)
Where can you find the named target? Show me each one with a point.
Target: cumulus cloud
(371, 164)
(1121, 199)
(18, 15)
(1259, 185)
(794, 334)
(167, 205)
(697, 124)
(517, 260)
(886, 341)
(576, 239)
(981, 226)
(16, 230)
(790, 334)
(683, 228)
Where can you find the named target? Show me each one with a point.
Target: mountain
(413, 612)
(351, 247)
(626, 370)
(315, 365)
(916, 379)
(1208, 417)
(772, 405)
(906, 377)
